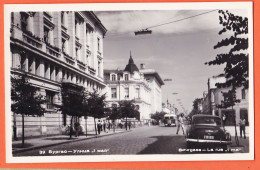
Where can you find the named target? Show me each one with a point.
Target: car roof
(203, 115)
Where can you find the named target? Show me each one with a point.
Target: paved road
(145, 140)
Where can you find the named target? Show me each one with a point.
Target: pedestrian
(180, 123)
(99, 126)
(224, 118)
(242, 124)
(109, 125)
(104, 125)
(76, 127)
(129, 125)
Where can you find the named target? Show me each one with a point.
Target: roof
(131, 67)
(98, 22)
(152, 72)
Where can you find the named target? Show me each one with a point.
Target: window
(76, 27)
(98, 43)
(77, 52)
(137, 92)
(49, 99)
(113, 93)
(24, 23)
(62, 18)
(126, 77)
(113, 77)
(63, 45)
(127, 92)
(37, 67)
(46, 35)
(243, 92)
(46, 71)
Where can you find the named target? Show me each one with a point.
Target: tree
(26, 99)
(196, 109)
(73, 99)
(158, 116)
(128, 110)
(230, 101)
(236, 60)
(96, 106)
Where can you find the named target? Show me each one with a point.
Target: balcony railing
(52, 50)
(91, 70)
(69, 59)
(31, 39)
(81, 65)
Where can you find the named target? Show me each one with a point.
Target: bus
(170, 119)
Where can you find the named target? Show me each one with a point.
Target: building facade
(155, 83)
(213, 99)
(133, 84)
(53, 48)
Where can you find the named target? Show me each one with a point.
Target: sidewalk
(47, 141)
(231, 130)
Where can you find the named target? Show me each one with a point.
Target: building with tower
(142, 86)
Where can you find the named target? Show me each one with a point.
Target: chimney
(142, 66)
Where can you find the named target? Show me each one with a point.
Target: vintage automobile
(207, 130)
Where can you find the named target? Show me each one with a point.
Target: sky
(177, 51)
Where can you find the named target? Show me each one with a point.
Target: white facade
(132, 84)
(56, 47)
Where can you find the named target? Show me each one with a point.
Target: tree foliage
(128, 109)
(26, 98)
(196, 109)
(229, 99)
(96, 104)
(73, 99)
(236, 60)
(158, 116)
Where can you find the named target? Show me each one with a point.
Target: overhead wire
(158, 25)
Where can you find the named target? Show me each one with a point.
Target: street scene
(130, 82)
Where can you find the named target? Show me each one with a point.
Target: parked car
(207, 130)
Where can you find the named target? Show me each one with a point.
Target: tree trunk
(126, 124)
(86, 126)
(71, 128)
(23, 130)
(15, 128)
(95, 126)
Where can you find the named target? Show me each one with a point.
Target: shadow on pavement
(165, 145)
(19, 145)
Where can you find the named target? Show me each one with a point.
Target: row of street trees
(76, 102)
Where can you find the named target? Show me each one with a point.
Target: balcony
(92, 71)
(31, 39)
(52, 50)
(88, 50)
(69, 59)
(81, 65)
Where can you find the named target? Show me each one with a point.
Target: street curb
(54, 144)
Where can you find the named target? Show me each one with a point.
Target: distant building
(55, 48)
(212, 101)
(155, 82)
(143, 87)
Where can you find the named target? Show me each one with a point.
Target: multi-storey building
(143, 87)
(155, 83)
(213, 99)
(52, 48)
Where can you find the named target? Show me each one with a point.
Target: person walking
(104, 126)
(180, 123)
(129, 125)
(99, 126)
(242, 124)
